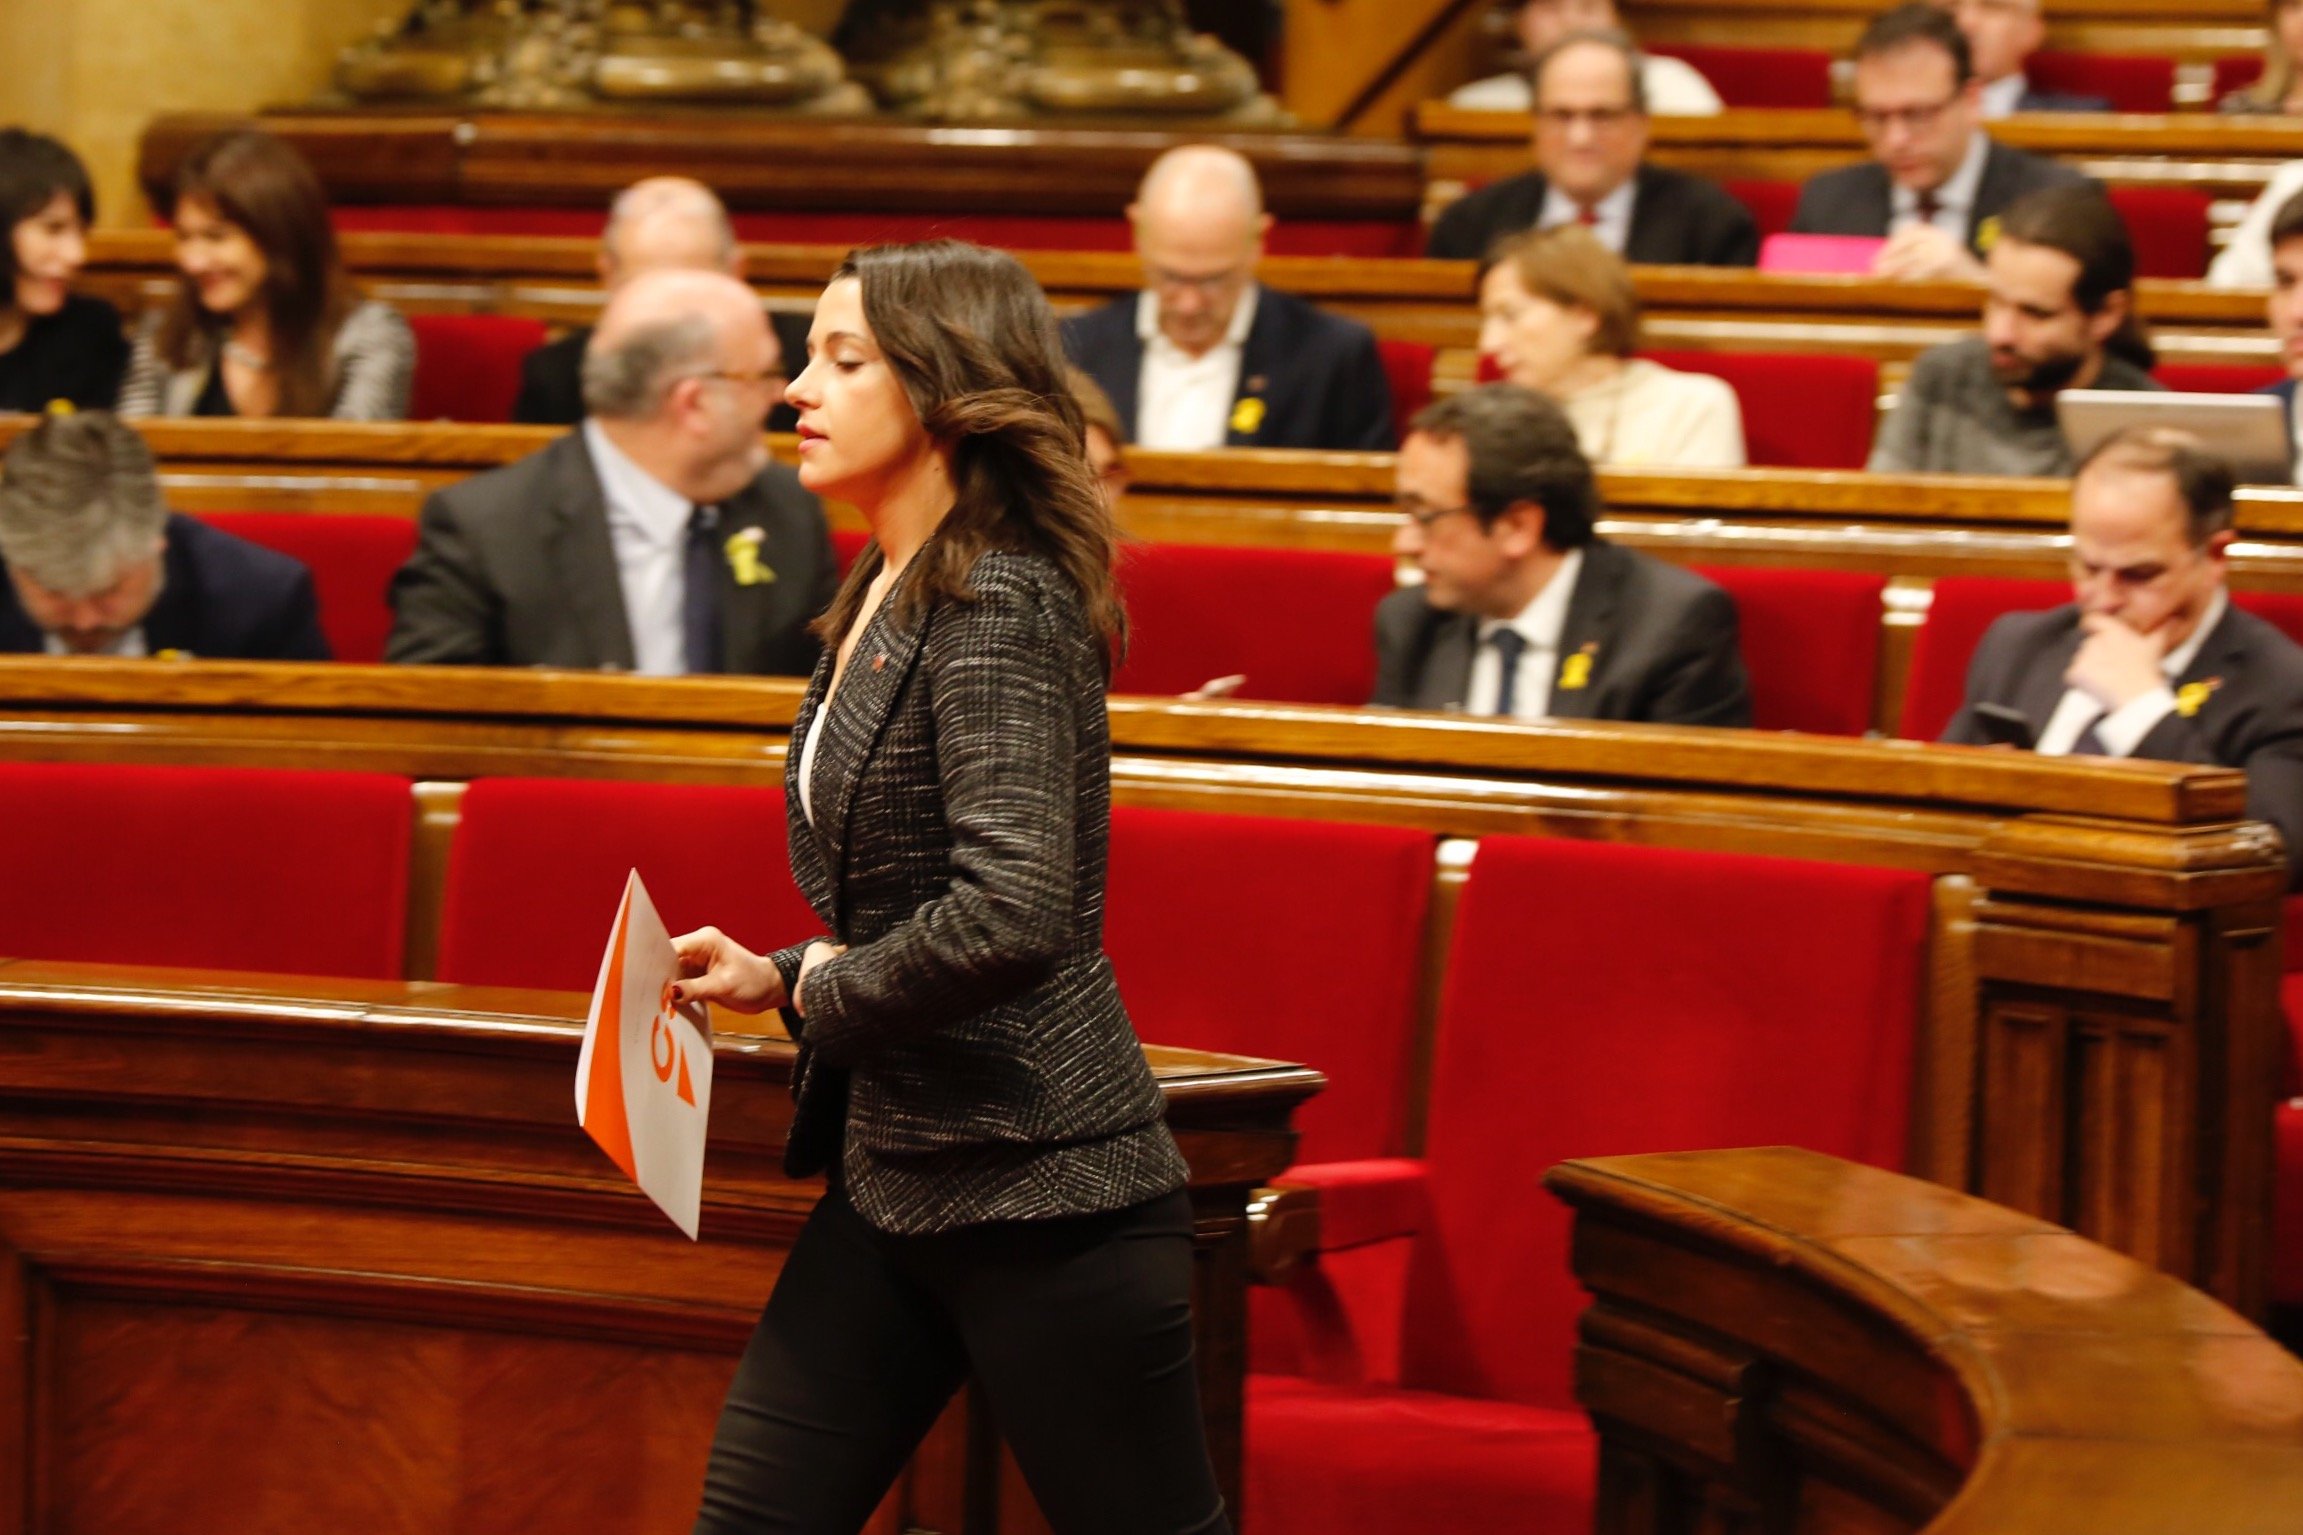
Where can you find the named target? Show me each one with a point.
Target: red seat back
(1407, 370)
(351, 558)
(468, 365)
(1810, 643)
(2282, 610)
(2131, 82)
(1799, 412)
(1605, 1000)
(2217, 377)
(847, 543)
(1298, 622)
(2236, 73)
(222, 868)
(539, 865)
(1291, 940)
(2168, 226)
(1759, 77)
(1958, 612)
(1772, 203)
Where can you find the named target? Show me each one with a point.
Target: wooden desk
(279, 1254)
(1788, 1342)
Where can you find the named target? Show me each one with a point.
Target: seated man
(1205, 357)
(1523, 610)
(2150, 659)
(2001, 36)
(1937, 183)
(2286, 311)
(657, 537)
(2059, 315)
(1590, 142)
(665, 223)
(1673, 87)
(98, 566)
(2245, 260)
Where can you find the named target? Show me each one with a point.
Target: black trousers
(1079, 1330)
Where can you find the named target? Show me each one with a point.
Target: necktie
(1928, 205)
(700, 612)
(2088, 743)
(1587, 215)
(1509, 645)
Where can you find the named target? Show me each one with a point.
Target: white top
(1675, 88)
(648, 523)
(1539, 623)
(808, 760)
(2246, 260)
(2123, 729)
(1649, 414)
(2003, 95)
(1953, 200)
(1183, 403)
(1613, 222)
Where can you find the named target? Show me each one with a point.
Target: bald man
(1205, 356)
(657, 537)
(665, 223)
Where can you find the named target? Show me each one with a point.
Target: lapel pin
(880, 662)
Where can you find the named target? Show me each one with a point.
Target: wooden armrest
(1282, 1230)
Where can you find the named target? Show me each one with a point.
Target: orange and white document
(644, 1077)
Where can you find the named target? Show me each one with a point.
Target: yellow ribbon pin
(2192, 696)
(744, 562)
(1247, 417)
(1987, 234)
(1575, 671)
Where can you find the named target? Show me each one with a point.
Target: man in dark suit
(2286, 308)
(657, 537)
(96, 565)
(665, 223)
(1205, 356)
(1937, 183)
(2151, 659)
(1523, 611)
(1591, 130)
(2001, 36)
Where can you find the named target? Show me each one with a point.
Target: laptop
(2248, 431)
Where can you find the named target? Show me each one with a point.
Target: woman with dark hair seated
(267, 323)
(54, 344)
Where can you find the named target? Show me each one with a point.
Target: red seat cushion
(1298, 622)
(1292, 940)
(2236, 73)
(1758, 77)
(1811, 644)
(1407, 371)
(2287, 1205)
(351, 558)
(539, 865)
(1772, 203)
(225, 868)
(2217, 377)
(2131, 82)
(1958, 612)
(468, 365)
(1799, 412)
(2168, 226)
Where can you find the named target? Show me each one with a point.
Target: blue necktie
(700, 614)
(1509, 645)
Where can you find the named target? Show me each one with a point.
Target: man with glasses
(2150, 659)
(1523, 610)
(1590, 145)
(1936, 183)
(662, 224)
(1207, 357)
(1673, 87)
(657, 537)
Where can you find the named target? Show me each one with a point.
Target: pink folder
(1838, 255)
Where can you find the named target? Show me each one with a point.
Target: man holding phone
(2150, 659)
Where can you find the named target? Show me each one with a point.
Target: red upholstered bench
(1407, 371)
(2234, 72)
(539, 865)
(351, 558)
(1772, 203)
(468, 365)
(1799, 412)
(2217, 377)
(1601, 999)
(2169, 228)
(1300, 623)
(2131, 82)
(1958, 612)
(1758, 77)
(220, 868)
(1810, 642)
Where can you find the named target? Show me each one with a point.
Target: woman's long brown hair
(970, 337)
(269, 190)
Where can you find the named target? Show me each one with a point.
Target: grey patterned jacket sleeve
(375, 355)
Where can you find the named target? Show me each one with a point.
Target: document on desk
(644, 1076)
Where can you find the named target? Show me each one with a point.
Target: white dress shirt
(2123, 729)
(2003, 95)
(648, 523)
(1613, 222)
(1184, 403)
(1954, 200)
(1539, 623)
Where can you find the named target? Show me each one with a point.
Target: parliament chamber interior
(1615, 1110)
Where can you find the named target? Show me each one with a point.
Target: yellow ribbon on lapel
(744, 562)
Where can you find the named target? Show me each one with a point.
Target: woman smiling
(54, 344)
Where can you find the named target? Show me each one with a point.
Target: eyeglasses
(1424, 516)
(730, 376)
(1877, 120)
(1601, 119)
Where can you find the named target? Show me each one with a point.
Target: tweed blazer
(968, 1059)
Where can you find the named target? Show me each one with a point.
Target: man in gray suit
(1937, 182)
(1523, 610)
(656, 537)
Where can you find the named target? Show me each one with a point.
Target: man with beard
(2059, 314)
